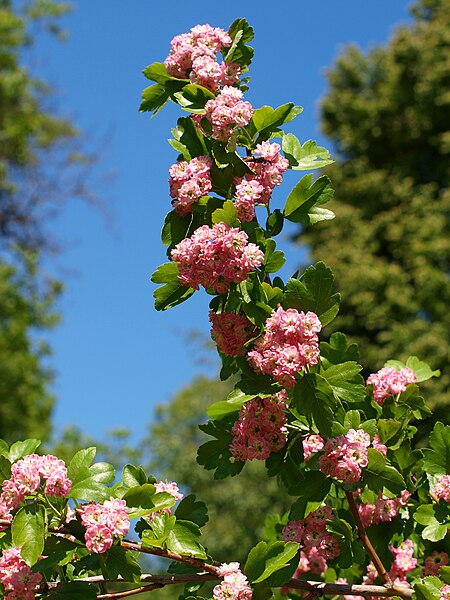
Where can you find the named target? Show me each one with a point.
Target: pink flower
(16, 576)
(188, 182)
(103, 522)
(216, 257)
(403, 559)
(434, 562)
(259, 429)
(442, 488)
(231, 332)
(311, 444)
(289, 343)
(234, 585)
(390, 382)
(170, 487)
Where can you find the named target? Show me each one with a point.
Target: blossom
(188, 182)
(216, 257)
(390, 382)
(103, 522)
(259, 429)
(384, 510)
(231, 331)
(403, 560)
(16, 576)
(442, 488)
(345, 455)
(227, 111)
(193, 56)
(311, 443)
(234, 585)
(289, 343)
(433, 563)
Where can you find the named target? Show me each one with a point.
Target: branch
(315, 588)
(366, 541)
(195, 562)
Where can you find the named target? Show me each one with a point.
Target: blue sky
(115, 357)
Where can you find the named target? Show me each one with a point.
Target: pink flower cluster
(259, 429)
(103, 522)
(403, 560)
(385, 509)
(257, 188)
(193, 56)
(390, 382)
(216, 257)
(19, 581)
(433, 563)
(445, 592)
(317, 545)
(230, 332)
(188, 182)
(345, 456)
(234, 585)
(311, 444)
(289, 343)
(169, 487)
(442, 488)
(226, 112)
(26, 478)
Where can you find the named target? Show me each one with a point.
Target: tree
(26, 310)
(388, 114)
(40, 166)
(235, 506)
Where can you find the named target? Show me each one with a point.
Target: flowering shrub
(370, 512)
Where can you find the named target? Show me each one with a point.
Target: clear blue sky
(115, 357)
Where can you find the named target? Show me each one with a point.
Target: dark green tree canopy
(388, 114)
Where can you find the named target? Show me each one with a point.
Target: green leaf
(313, 293)
(429, 589)
(5, 469)
(28, 531)
(227, 215)
(422, 370)
(435, 518)
(235, 400)
(241, 33)
(175, 228)
(264, 560)
(337, 350)
(132, 476)
(437, 457)
(193, 97)
(273, 259)
(306, 157)
(342, 372)
(444, 574)
(121, 563)
(157, 72)
(307, 195)
(184, 539)
(352, 420)
(21, 449)
(313, 396)
(73, 590)
(191, 137)
(173, 292)
(266, 119)
(312, 489)
(216, 454)
(156, 533)
(57, 550)
(143, 500)
(88, 479)
(190, 509)
(378, 475)
(388, 428)
(153, 98)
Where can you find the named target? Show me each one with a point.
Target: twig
(366, 541)
(315, 588)
(195, 562)
(133, 592)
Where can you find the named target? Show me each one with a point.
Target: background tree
(40, 167)
(388, 114)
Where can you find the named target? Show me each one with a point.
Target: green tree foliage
(235, 505)
(388, 114)
(40, 167)
(26, 310)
